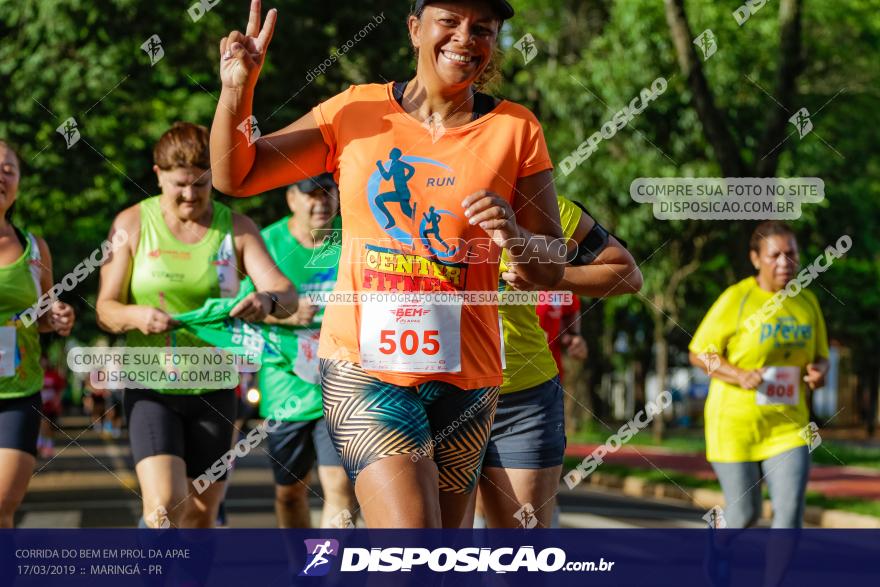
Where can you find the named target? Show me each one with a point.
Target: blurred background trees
(84, 59)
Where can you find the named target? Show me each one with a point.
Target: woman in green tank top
(182, 248)
(25, 272)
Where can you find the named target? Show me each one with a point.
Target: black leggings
(196, 428)
(20, 423)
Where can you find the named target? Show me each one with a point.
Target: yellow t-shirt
(751, 425)
(527, 358)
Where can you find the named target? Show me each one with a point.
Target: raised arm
(242, 167)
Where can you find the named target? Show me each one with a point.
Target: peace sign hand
(242, 55)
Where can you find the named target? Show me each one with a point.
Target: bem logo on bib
(402, 312)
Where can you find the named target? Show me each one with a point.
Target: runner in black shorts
(181, 249)
(25, 273)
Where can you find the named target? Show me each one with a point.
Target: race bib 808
(781, 385)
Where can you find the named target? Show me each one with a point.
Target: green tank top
(292, 393)
(20, 371)
(178, 277)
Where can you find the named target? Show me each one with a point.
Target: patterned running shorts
(369, 420)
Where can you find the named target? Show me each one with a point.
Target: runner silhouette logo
(396, 208)
(318, 556)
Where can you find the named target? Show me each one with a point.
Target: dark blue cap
(322, 182)
(502, 7)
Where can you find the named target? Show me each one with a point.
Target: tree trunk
(639, 395)
(661, 350)
(790, 65)
(714, 123)
(727, 148)
(869, 380)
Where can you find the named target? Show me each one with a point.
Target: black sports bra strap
(22, 238)
(483, 103)
(397, 90)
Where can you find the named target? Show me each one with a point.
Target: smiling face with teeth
(454, 41)
(9, 177)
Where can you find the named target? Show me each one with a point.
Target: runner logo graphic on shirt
(430, 225)
(400, 173)
(396, 209)
(427, 228)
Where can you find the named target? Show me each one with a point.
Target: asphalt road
(90, 483)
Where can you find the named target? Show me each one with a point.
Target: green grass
(865, 507)
(835, 453)
(858, 506)
(679, 441)
(829, 453)
(652, 475)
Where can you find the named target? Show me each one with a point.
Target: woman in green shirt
(182, 248)
(25, 272)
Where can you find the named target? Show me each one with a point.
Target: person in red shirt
(50, 394)
(562, 323)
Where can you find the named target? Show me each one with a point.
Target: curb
(708, 498)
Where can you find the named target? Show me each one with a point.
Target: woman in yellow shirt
(762, 347)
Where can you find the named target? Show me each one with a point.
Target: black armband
(592, 244)
(589, 248)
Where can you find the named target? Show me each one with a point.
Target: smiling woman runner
(409, 387)
(756, 412)
(182, 249)
(25, 273)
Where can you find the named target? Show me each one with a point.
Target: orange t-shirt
(404, 230)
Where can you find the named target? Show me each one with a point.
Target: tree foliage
(63, 58)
